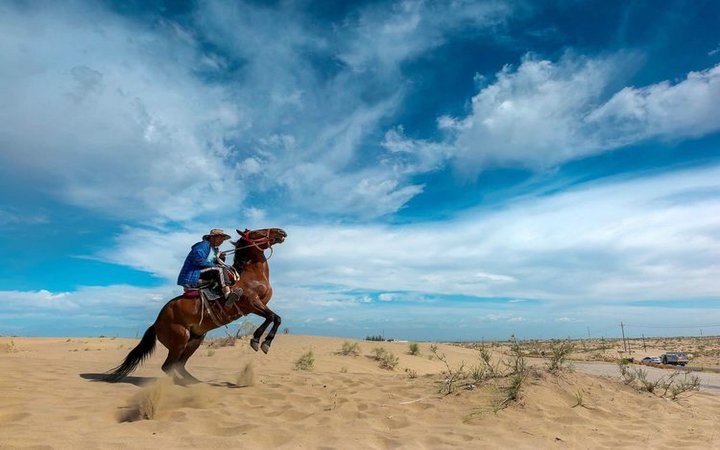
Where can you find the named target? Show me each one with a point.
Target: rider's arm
(199, 253)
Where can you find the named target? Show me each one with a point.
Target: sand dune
(49, 399)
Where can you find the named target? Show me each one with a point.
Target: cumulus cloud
(542, 114)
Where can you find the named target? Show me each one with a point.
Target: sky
(445, 170)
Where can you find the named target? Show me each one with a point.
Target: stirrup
(233, 296)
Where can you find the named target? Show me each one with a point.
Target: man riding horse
(180, 324)
(205, 263)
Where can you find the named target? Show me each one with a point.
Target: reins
(253, 243)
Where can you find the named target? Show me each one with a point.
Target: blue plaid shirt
(201, 256)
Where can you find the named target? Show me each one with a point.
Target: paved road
(709, 382)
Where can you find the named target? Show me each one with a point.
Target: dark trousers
(216, 274)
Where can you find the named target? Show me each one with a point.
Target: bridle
(245, 236)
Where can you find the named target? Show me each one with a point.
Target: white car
(651, 360)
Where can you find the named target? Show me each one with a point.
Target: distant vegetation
(374, 338)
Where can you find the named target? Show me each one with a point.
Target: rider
(204, 262)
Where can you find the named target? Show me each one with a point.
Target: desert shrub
(225, 341)
(306, 361)
(511, 392)
(388, 361)
(686, 384)
(517, 361)
(246, 328)
(670, 386)
(558, 356)
(378, 353)
(412, 374)
(488, 369)
(414, 349)
(350, 349)
(452, 376)
(9, 347)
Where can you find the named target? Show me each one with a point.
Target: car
(651, 360)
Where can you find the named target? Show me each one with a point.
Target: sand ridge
(48, 399)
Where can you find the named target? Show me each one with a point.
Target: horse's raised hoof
(265, 347)
(254, 344)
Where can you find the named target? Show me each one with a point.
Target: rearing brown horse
(183, 322)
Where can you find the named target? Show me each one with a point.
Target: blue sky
(444, 170)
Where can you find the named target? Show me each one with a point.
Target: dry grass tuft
(306, 361)
(225, 341)
(349, 349)
(9, 347)
(668, 386)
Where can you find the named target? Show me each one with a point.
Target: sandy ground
(49, 399)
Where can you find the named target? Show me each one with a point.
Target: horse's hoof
(265, 347)
(254, 344)
(187, 381)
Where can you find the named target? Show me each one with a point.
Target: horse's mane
(242, 255)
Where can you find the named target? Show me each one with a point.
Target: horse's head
(262, 239)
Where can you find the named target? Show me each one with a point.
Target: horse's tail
(135, 357)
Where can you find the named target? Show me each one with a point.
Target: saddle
(211, 291)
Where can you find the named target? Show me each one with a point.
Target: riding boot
(233, 296)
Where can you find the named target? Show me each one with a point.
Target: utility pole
(644, 347)
(622, 327)
(588, 328)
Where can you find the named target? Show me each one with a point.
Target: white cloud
(389, 33)
(689, 108)
(542, 114)
(110, 114)
(644, 239)
(170, 122)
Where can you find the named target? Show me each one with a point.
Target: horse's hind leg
(175, 338)
(191, 347)
(271, 335)
(255, 341)
(269, 317)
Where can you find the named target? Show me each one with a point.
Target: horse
(182, 324)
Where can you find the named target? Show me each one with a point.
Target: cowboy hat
(216, 232)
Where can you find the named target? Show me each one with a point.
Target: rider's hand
(221, 256)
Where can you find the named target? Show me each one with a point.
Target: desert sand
(49, 398)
